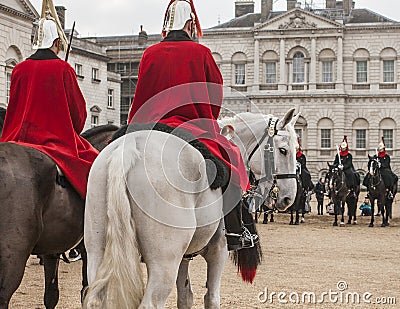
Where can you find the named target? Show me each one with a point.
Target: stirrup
(248, 240)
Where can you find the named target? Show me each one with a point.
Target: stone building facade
(101, 88)
(338, 66)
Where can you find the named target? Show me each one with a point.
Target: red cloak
(179, 84)
(47, 112)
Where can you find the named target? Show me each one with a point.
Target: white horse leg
(95, 218)
(184, 289)
(215, 256)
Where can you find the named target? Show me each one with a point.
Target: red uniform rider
(179, 84)
(46, 110)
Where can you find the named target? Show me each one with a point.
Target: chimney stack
(291, 4)
(61, 15)
(142, 40)
(266, 9)
(243, 7)
(348, 5)
(331, 4)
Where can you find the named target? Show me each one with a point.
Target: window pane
(361, 138)
(95, 74)
(270, 69)
(8, 86)
(110, 103)
(327, 72)
(78, 69)
(298, 68)
(388, 71)
(240, 75)
(325, 138)
(388, 136)
(362, 73)
(94, 120)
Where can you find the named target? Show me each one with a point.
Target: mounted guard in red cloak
(46, 110)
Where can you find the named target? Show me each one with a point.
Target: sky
(121, 17)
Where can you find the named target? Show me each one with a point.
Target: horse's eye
(283, 151)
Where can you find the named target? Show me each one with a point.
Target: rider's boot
(237, 235)
(389, 193)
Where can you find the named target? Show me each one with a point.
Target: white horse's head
(268, 147)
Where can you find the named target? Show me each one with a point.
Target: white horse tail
(119, 283)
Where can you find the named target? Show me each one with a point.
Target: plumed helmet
(298, 144)
(177, 14)
(49, 28)
(344, 145)
(381, 145)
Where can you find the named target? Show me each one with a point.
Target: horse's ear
(286, 119)
(330, 165)
(295, 118)
(369, 157)
(228, 132)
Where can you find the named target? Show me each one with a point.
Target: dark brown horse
(37, 216)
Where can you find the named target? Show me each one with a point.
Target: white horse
(149, 197)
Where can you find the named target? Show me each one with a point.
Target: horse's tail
(248, 259)
(118, 283)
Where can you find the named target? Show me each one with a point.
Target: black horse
(341, 194)
(2, 116)
(37, 215)
(377, 191)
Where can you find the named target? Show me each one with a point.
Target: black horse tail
(248, 259)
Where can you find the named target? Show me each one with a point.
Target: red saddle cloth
(47, 112)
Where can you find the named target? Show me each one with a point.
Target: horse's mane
(100, 129)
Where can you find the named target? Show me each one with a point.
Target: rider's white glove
(340, 166)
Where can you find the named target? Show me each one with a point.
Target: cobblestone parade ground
(313, 258)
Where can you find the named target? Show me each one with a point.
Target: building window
(388, 71)
(327, 71)
(298, 68)
(95, 75)
(110, 102)
(388, 136)
(362, 71)
(361, 138)
(94, 120)
(270, 69)
(78, 70)
(240, 74)
(326, 138)
(8, 86)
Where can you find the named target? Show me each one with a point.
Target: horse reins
(269, 162)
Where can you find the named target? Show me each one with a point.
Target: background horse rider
(389, 178)
(180, 85)
(304, 172)
(346, 164)
(320, 191)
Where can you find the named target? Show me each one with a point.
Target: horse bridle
(269, 163)
(377, 174)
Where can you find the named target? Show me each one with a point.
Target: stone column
(313, 65)
(339, 79)
(282, 67)
(256, 83)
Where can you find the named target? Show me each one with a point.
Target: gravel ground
(314, 257)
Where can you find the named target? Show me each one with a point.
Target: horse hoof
(387, 224)
(335, 224)
(383, 225)
(371, 225)
(296, 223)
(348, 222)
(271, 220)
(342, 224)
(290, 223)
(302, 220)
(355, 223)
(265, 222)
